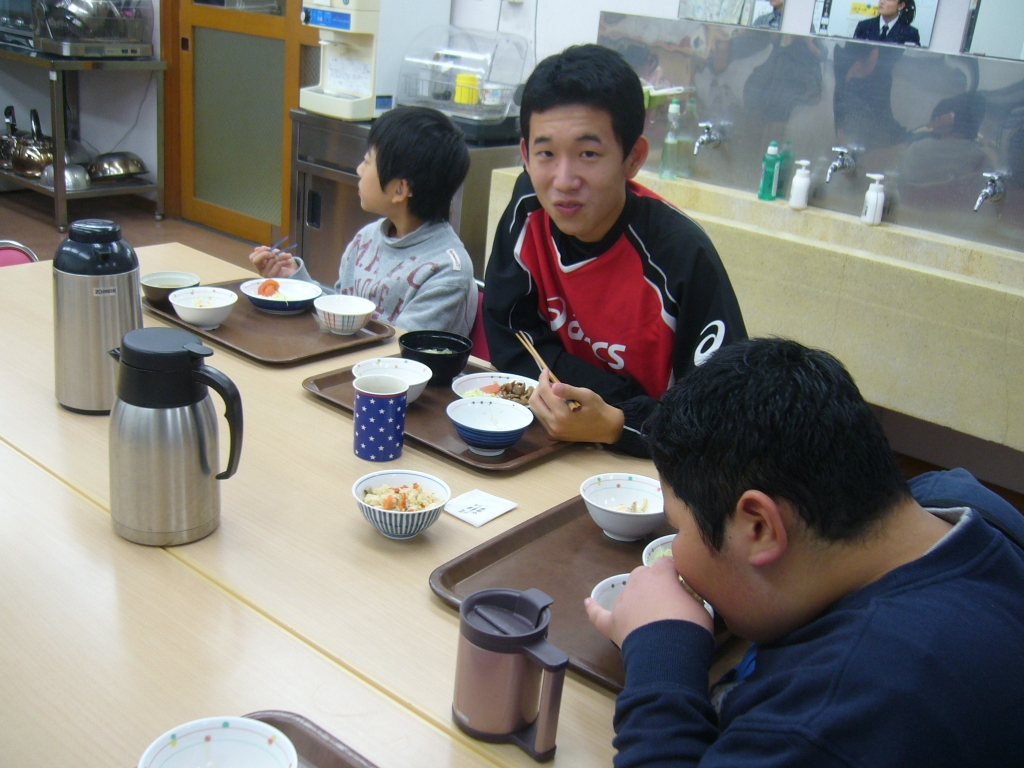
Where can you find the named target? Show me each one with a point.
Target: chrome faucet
(843, 162)
(994, 191)
(710, 137)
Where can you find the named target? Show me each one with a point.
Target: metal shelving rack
(64, 125)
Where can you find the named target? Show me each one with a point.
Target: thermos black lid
(505, 619)
(94, 231)
(162, 349)
(95, 247)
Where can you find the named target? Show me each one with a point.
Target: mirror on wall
(902, 22)
(763, 14)
(995, 28)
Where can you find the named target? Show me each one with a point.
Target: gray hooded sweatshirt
(420, 282)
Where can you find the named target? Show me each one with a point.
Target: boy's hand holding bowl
(651, 594)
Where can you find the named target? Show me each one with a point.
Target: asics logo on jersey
(556, 308)
(710, 343)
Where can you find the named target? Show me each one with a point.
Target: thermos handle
(233, 412)
(554, 662)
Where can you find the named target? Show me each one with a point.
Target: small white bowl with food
(280, 295)
(343, 315)
(657, 549)
(413, 373)
(401, 503)
(205, 308)
(626, 506)
(507, 386)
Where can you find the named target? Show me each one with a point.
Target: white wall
(110, 101)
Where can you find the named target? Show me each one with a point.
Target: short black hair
(423, 147)
(968, 111)
(774, 416)
(908, 12)
(591, 75)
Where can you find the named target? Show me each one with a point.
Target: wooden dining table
(295, 602)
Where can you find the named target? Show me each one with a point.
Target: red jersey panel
(624, 330)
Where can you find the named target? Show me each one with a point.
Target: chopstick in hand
(525, 341)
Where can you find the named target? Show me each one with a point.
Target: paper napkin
(477, 507)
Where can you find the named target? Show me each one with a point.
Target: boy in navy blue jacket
(884, 633)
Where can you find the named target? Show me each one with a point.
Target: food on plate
(402, 498)
(269, 288)
(516, 391)
(636, 506)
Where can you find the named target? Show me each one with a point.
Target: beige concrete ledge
(929, 326)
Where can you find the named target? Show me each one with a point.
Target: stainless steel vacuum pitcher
(96, 301)
(164, 455)
(508, 678)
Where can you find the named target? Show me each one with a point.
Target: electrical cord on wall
(138, 115)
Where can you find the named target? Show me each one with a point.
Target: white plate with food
(280, 295)
(506, 386)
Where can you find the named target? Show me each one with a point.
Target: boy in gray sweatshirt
(411, 264)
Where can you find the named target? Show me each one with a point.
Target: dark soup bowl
(446, 354)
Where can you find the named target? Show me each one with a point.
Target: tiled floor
(28, 218)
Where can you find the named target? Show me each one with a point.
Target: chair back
(477, 335)
(12, 252)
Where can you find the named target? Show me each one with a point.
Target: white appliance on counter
(362, 43)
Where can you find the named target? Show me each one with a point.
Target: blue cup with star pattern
(380, 404)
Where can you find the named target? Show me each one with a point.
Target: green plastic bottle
(769, 188)
(670, 149)
(785, 168)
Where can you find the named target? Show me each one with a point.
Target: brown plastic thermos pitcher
(508, 678)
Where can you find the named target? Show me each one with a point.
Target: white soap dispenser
(874, 200)
(800, 187)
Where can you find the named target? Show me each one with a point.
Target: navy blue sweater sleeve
(663, 715)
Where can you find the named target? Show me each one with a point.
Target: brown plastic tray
(427, 423)
(564, 553)
(315, 747)
(275, 339)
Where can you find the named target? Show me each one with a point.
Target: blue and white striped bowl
(401, 525)
(489, 425)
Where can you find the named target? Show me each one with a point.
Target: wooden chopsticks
(525, 341)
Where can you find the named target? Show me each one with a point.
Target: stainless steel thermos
(508, 677)
(96, 301)
(164, 456)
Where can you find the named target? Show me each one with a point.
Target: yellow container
(467, 89)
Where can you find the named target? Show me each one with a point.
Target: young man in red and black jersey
(621, 293)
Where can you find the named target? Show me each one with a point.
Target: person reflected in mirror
(411, 263)
(619, 291)
(947, 148)
(892, 25)
(862, 99)
(772, 19)
(885, 617)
